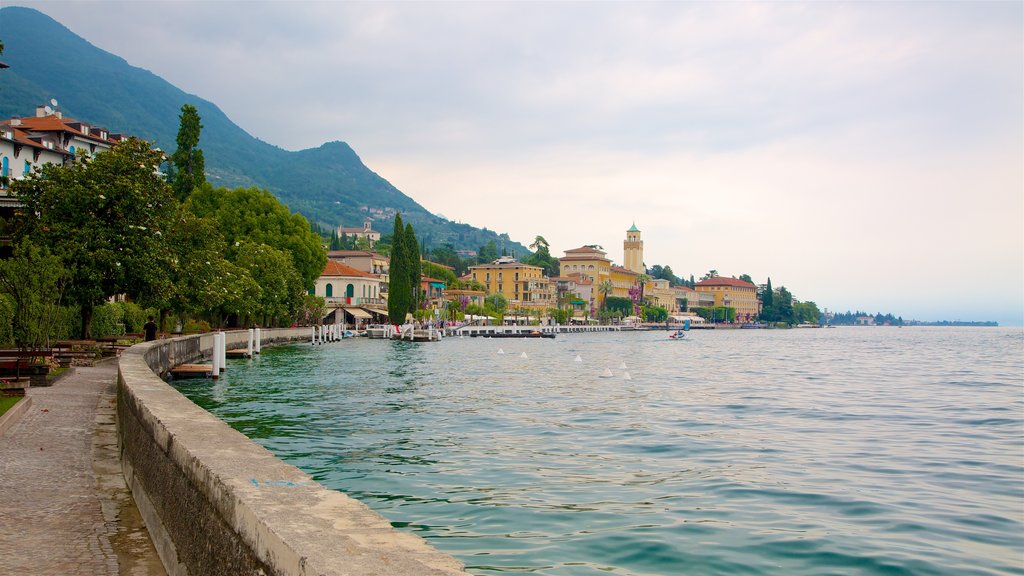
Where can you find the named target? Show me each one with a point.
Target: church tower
(633, 251)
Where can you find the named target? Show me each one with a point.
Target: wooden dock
(238, 353)
(192, 371)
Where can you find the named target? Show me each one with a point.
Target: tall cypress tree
(189, 170)
(415, 269)
(398, 283)
(767, 303)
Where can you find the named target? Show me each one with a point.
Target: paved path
(64, 507)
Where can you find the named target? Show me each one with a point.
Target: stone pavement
(64, 506)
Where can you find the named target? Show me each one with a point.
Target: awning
(358, 313)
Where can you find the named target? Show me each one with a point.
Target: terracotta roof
(585, 249)
(335, 268)
(722, 281)
(346, 253)
(624, 270)
(52, 123)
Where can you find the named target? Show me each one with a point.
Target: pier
(524, 331)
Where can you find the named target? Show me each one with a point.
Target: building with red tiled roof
(342, 284)
(47, 138)
(733, 293)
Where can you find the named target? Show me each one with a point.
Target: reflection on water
(848, 451)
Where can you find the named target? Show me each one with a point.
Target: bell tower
(633, 251)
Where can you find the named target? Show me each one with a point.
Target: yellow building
(622, 280)
(732, 293)
(589, 263)
(659, 293)
(520, 284)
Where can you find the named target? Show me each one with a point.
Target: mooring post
(216, 356)
(257, 341)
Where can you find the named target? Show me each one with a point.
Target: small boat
(678, 334)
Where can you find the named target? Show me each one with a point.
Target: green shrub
(6, 321)
(108, 320)
(135, 317)
(196, 326)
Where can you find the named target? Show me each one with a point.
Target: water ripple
(846, 451)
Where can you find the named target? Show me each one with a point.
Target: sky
(865, 155)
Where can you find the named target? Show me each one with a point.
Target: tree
(768, 303)
(280, 285)
(487, 253)
(711, 274)
(255, 215)
(605, 288)
(399, 296)
(412, 263)
(189, 168)
(105, 218)
(746, 278)
(35, 281)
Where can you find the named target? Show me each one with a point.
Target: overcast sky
(865, 155)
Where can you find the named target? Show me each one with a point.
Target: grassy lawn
(6, 402)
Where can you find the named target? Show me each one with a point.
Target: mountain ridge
(328, 184)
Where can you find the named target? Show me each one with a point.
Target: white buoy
(257, 341)
(626, 376)
(248, 349)
(523, 355)
(500, 351)
(607, 373)
(578, 359)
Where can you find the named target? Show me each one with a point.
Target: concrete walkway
(64, 506)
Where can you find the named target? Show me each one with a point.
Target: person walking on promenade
(150, 328)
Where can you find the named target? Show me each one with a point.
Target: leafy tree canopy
(104, 217)
(256, 216)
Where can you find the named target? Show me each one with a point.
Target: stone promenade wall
(217, 503)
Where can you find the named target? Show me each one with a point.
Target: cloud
(859, 153)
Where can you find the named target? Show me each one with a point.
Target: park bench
(18, 368)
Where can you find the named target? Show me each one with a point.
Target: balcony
(336, 301)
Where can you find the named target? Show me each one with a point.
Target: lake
(808, 451)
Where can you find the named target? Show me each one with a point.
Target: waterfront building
(732, 293)
(366, 231)
(591, 263)
(47, 138)
(520, 284)
(659, 293)
(583, 305)
(465, 298)
(358, 295)
(362, 260)
(623, 279)
(633, 251)
(431, 292)
(29, 143)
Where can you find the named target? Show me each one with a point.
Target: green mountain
(329, 185)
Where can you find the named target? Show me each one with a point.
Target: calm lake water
(839, 451)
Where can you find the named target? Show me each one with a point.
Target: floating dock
(192, 371)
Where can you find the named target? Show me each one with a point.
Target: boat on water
(678, 334)
(380, 331)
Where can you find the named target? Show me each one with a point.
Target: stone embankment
(217, 503)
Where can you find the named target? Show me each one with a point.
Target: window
(28, 167)
(330, 290)
(350, 291)
(4, 167)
